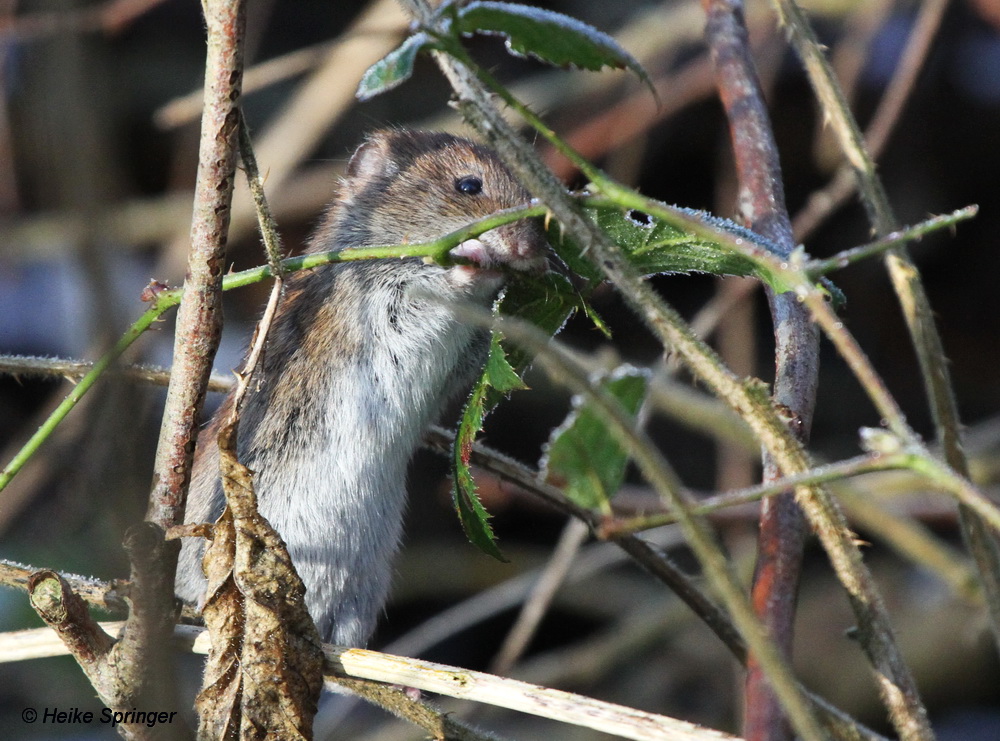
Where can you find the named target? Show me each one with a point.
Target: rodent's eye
(470, 185)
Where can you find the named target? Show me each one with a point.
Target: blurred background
(99, 108)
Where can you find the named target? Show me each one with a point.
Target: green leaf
(393, 69)
(499, 372)
(549, 36)
(653, 246)
(583, 452)
(546, 301)
(471, 513)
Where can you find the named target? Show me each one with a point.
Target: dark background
(79, 145)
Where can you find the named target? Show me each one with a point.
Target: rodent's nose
(522, 244)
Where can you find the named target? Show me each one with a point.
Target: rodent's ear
(373, 159)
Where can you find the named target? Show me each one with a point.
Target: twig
(78, 391)
(515, 695)
(819, 475)
(549, 580)
(96, 593)
(30, 366)
(273, 250)
(823, 202)
(105, 595)
(356, 663)
(199, 324)
(749, 399)
(394, 699)
(906, 281)
(702, 542)
(165, 299)
(81, 636)
(199, 319)
(650, 557)
(843, 259)
(274, 253)
(322, 98)
(87, 373)
(762, 203)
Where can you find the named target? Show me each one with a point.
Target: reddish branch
(762, 205)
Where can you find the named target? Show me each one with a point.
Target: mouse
(361, 357)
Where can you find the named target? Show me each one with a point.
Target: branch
(109, 665)
(823, 202)
(746, 398)
(906, 281)
(32, 366)
(699, 537)
(782, 530)
(199, 319)
(361, 664)
(163, 299)
(136, 668)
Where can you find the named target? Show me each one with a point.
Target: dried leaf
(264, 672)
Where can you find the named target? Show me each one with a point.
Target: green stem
(750, 399)
(816, 268)
(819, 475)
(435, 249)
(658, 472)
(910, 292)
(163, 302)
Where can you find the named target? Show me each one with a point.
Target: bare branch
(762, 203)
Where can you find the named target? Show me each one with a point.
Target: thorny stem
(657, 471)
(268, 228)
(165, 299)
(75, 370)
(887, 115)
(782, 530)
(938, 475)
(877, 636)
(825, 266)
(86, 383)
(437, 250)
(479, 112)
(856, 466)
(909, 289)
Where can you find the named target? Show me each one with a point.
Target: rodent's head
(411, 186)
